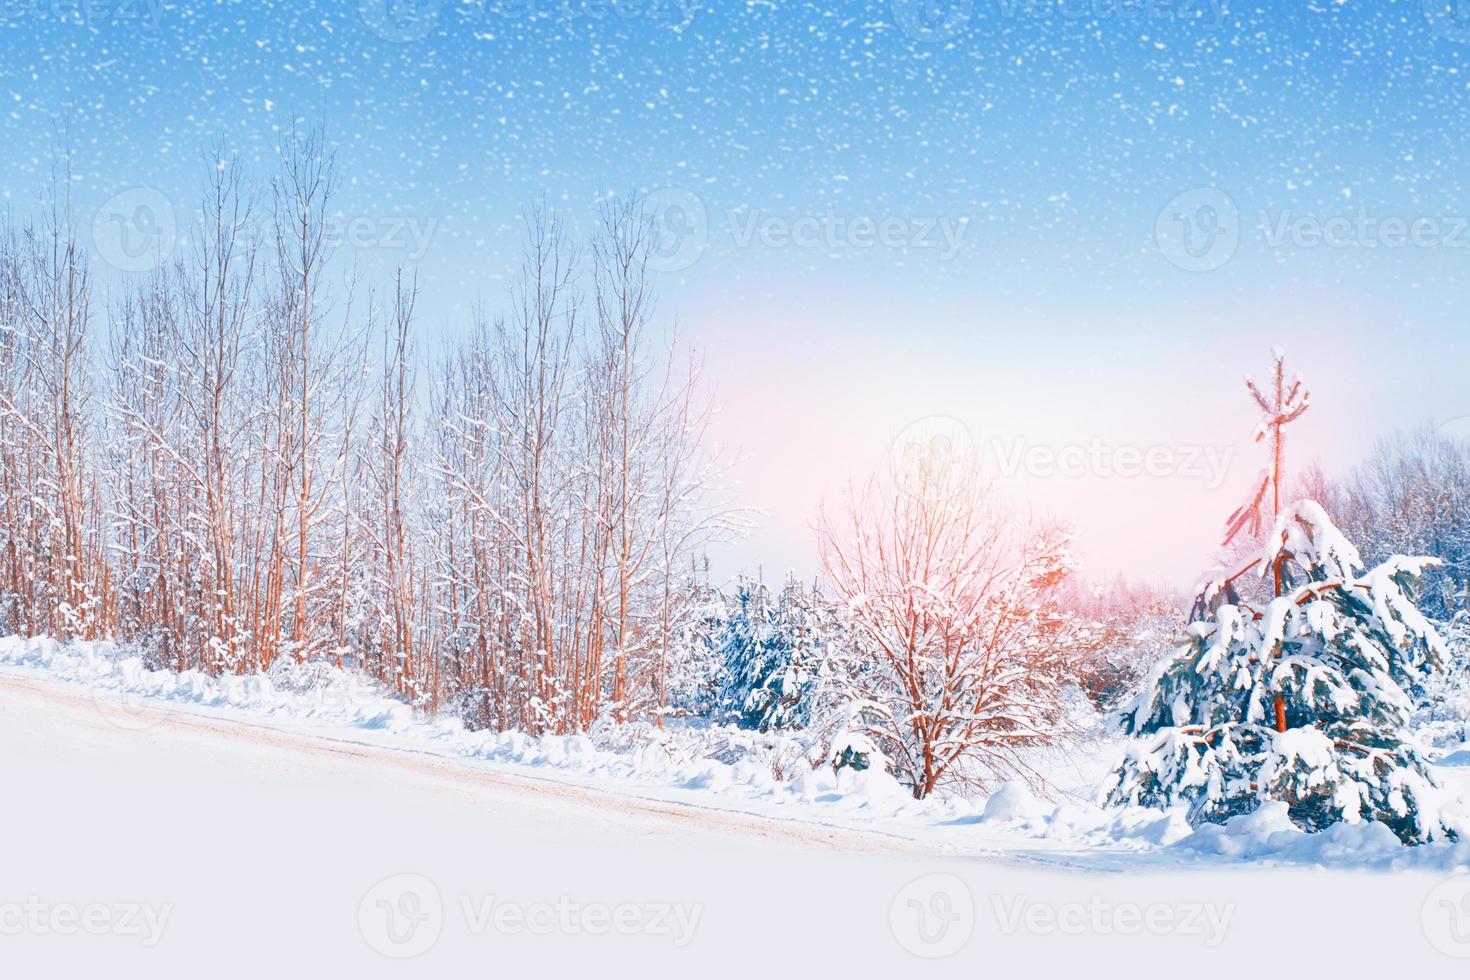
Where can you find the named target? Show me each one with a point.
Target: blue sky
(1141, 198)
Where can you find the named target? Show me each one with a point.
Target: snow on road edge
(315, 696)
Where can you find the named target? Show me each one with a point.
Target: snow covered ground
(171, 825)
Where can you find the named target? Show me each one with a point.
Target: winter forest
(235, 467)
(762, 489)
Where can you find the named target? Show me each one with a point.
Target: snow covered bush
(958, 646)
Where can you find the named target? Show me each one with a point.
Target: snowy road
(200, 846)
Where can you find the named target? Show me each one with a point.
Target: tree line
(230, 464)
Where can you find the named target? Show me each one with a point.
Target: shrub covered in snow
(959, 644)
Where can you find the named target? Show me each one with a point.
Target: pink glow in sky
(810, 407)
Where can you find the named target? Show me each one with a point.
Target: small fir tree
(772, 652)
(1302, 699)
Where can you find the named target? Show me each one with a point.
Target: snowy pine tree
(1343, 652)
(784, 671)
(1302, 699)
(697, 674)
(771, 649)
(740, 643)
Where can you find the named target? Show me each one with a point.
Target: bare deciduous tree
(955, 622)
(519, 543)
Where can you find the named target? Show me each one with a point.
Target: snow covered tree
(784, 685)
(743, 643)
(572, 491)
(696, 672)
(53, 535)
(516, 543)
(394, 633)
(187, 388)
(960, 646)
(1122, 631)
(772, 650)
(1411, 496)
(1302, 699)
